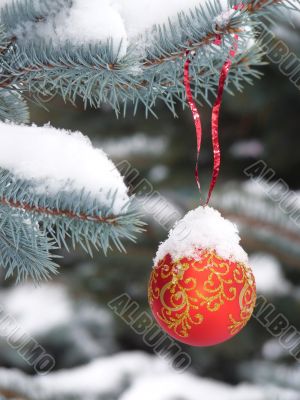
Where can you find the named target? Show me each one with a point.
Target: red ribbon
(215, 116)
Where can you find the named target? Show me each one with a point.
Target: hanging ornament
(202, 291)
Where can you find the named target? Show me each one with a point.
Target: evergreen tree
(35, 66)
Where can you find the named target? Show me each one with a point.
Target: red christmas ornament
(199, 297)
(202, 302)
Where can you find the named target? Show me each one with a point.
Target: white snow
(33, 309)
(273, 350)
(57, 159)
(139, 144)
(201, 229)
(268, 274)
(247, 148)
(103, 376)
(141, 15)
(258, 187)
(159, 209)
(132, 376)
(159, 173)
(4, 2)
(189, 387)
(49, 311)
(90, 21)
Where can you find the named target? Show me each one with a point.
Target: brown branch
(206, 40)
(256, 6)
(8, 394)
(112, 220)
(7, 46)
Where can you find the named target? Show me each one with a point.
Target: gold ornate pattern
(153, 290)
(247, 300)
(177, 302)
(183, 300)
(218, 288)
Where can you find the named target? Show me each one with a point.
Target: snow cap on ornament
(202, 291)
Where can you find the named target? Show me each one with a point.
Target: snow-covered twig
(58, 184)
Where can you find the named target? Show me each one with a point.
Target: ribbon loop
(215, 117)
(196, 116)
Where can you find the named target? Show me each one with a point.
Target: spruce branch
(33, 223)
(24, 249)
(76, 215)
(13, 107)
(100, 74)
(44, 206)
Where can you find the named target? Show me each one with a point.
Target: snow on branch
(56, 179)
(91, 21)
(121, 21)
(55, 160)
(116, 53)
